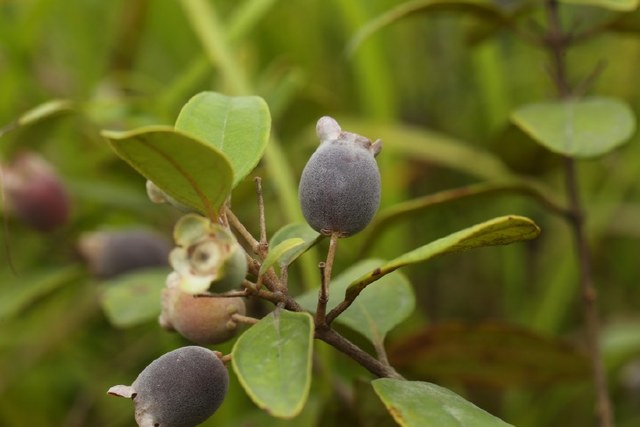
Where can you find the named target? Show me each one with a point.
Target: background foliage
(433, 88)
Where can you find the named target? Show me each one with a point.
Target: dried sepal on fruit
(182, 388)
(208, 256)
(203, 320)
(339, 188)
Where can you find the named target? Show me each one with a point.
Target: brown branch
(557, 46)
(369, 362)
(242, 231)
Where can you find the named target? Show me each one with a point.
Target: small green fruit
(340, 185)
(203, 320)
(181, 388)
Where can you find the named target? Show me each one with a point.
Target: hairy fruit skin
(203, 320)
(340, 185)
(181, 388)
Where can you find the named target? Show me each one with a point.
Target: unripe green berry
(340, 185)
(181, 388)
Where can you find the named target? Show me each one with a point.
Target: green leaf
(498, 231)
(300, 230)
(421, 205)
(483, 8)
(279, 251)
(488, 354)
(420, 404)
(192, 172)
(272, 360)
(615, 5)
(377, 310)
(20, 293)
(39, 113)
(586, 127)
(133, 298)
(236, 125)
(46, 110)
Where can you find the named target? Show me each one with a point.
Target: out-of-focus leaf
(246, 16)
(272, 360)
(621, 342)
(377, 310)
(486, 9)
(420, 404)
(419, 205)
(498, 231)
(46, 110)
(300, 230)
(236, 125)
(133, 298)
(39, 113)
(578, 127)
(18, 294)
(278, 252)
(490, 354)
(192, 172)
(432, 147)
(615, 5)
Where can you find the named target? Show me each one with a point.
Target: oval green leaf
(236, 125)
(377, 310)
(586, 127)
(615, 5)
(133, 298)
(190, 171)
(498, 231)
(279, 251)
(272, 360)
(300, 230)
(421, 404)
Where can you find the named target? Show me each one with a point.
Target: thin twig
(557, 45)
(323, 296)
(244, 319)
(373, 365)
(378, 346)
(242, 231)
(228, 294)
(263, 228)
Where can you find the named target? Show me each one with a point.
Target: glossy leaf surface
(421, 404)
(272, 360)
(236, 125)
(192, 172)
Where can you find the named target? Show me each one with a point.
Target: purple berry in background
(35, 193)
(112, 253)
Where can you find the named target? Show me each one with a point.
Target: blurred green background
(437, 87)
